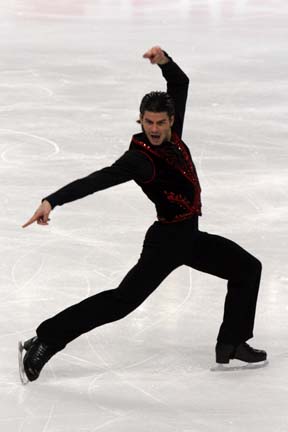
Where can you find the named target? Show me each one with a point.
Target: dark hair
(157, 101)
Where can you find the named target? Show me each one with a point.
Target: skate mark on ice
(121, 378)
(78, 359)
(36, 272)
(74, 237)
(46, 425)
(89, 288)
(34, 86)
(20, 287)
(4, 154)
(153, 357)
(108, 422)
(175, 311)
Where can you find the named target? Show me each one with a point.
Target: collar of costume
(174, 152)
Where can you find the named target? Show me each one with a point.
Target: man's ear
(172, 119)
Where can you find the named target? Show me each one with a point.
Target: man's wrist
(165, 60)
(52, 205)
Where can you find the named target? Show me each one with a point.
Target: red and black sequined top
(174, 186)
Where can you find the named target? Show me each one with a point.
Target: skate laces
(40, 353)
(249, 348)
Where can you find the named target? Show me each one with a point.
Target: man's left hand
(156, 56)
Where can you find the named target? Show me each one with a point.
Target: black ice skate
(37, 354)
(252, 357)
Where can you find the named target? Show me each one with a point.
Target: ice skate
(32, 362)
(243, 356)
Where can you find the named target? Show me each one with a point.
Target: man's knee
(259, 265)
(253, 267)
(126, 301)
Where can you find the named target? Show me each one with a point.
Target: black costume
(167, 175)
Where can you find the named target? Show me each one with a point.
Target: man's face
(157, 126)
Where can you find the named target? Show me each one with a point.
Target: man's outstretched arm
(132, 165)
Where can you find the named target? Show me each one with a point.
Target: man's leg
(155, 263)
(223, 258)
(107, 306)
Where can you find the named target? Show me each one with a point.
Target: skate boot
(37, 354)
(242, 352)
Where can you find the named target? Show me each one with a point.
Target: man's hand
(41, 216)
(156, 56)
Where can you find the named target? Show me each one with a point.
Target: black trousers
(166, 247)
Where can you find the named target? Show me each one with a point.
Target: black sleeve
(132, 165)
(177, 87)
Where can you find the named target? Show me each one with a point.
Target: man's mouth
(155, 136)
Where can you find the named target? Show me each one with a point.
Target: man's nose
(154, 128)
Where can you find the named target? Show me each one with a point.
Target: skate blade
(230, 368)
(23, 377)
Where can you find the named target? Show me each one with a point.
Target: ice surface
(71, 78)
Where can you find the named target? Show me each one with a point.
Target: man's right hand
(41, 216)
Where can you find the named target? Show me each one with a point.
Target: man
(161, 164)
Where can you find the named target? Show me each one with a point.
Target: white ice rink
(71, 79)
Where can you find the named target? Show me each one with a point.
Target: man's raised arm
(177, 83)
